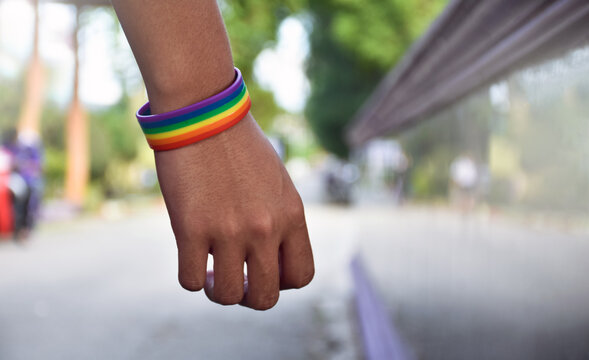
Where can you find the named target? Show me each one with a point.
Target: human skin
(228, 195)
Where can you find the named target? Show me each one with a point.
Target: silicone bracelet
(185, 126)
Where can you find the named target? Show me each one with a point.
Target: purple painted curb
(380, 338)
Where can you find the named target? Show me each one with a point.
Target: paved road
(457, 288)
(106, 289)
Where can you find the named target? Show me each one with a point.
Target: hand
(230, 196)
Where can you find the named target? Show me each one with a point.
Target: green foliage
(54, 171)
(265, 109)
(429, 179)
(353, 44)
(52, 127)
(114, 137)
(52, 130)
(462, 129)
(379, 32)
(10, 95)
(252, 26)
(339, 86)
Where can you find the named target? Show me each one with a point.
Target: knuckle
(262, 225)
(297, 203)
(304, 279)
(296, 209)
(191, 284)
(266, 271)
(230, 229)
(265, 302)
(266, 275)
(228, 295)
(229, 298)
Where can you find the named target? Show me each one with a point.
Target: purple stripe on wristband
(203, 110)
(144, 113)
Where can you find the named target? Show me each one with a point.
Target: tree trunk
(77, 146)
(30, 114)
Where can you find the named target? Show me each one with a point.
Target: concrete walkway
(456, 288)
(107, 289)
(474, 287)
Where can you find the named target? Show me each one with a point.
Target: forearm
(228, 195)
(181, 48)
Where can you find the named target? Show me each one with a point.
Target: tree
(353, 44)
(252, 27)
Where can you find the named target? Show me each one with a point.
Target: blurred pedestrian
(25, 181)
(6, 211)
(464, 176)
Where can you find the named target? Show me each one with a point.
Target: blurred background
(441, 143)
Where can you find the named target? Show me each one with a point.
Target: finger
(192, 263)
(263, 283)
(227, 287)
(297, 264)
(210, 284)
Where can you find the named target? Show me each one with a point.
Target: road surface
(456, 288)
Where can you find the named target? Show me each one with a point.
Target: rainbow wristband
(198, 121)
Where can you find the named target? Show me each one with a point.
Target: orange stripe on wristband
(202, 132)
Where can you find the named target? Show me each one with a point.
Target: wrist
(169, 91)
(197, 121)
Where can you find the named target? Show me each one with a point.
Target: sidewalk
(474, 287)
(456, 287)
(107, 289)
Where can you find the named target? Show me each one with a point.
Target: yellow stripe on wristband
(200, 124)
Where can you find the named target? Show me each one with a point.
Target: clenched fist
(230, 196)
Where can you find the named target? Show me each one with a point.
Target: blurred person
(24, 154)
(385, 165)
(400, 174)
(6, 211)
(339, 179)
(464, 176)
(227, 194)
